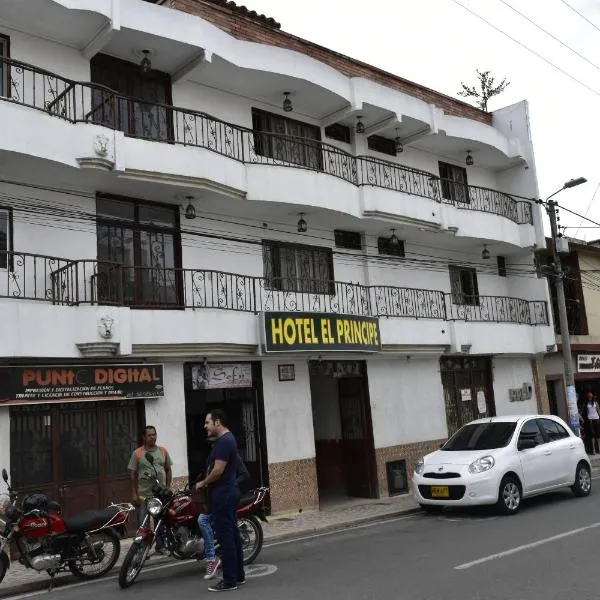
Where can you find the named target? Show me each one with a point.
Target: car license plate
(440, 491)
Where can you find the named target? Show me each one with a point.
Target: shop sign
(322, 332)
(58, 383)
(588, 363)
(220, 375)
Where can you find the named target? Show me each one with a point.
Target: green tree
(484, 90)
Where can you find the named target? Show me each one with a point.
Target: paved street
(460, 555)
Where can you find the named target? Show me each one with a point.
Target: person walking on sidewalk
(141, 485)
(224, 499)
(593, 415)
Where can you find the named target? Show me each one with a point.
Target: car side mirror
(5, 475)
(149, 458)
(526, 444)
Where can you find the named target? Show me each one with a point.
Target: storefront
(73, 428)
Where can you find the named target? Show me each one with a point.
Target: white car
(501, 460)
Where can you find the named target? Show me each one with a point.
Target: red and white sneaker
(212, 567)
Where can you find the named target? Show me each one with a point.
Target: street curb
(43, 582)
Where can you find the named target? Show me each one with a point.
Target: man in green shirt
(142, 485)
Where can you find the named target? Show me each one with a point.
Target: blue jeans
(224, 503)
(207, 533)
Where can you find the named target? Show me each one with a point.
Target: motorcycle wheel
(4, 562)
(106, 539)
(133, 563)
(251, 534)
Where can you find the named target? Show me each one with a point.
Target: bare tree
(484, 90)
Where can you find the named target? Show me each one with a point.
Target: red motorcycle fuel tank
(182, 511)
(38, 527)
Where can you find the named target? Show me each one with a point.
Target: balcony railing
(76, 282)
(92, 103)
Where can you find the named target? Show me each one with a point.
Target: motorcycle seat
(90, 519)
(247, 498)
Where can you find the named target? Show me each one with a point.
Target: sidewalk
(337, 515)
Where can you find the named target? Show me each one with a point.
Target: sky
(439, 44)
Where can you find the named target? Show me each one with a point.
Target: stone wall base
(293, 486)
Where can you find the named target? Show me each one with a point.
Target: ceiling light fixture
(287, 103)
(146, 64)
(190, 211)
(360, 126)
(469, 160)
(302, 225)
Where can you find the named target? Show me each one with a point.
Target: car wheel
(509, 495)
(432, 509)
(583, 481)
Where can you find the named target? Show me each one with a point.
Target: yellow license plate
(440, 491)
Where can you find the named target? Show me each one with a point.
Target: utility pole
(565, 337)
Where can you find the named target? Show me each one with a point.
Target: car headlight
(154, 506)
(419, 466)
(485, 463)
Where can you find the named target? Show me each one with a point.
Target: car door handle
(548, 452)
(572, 446)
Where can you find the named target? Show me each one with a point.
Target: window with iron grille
(287, 140)
(338, 132)
(454, 183)
(381, 144)
(4, 67)
(5, 237)
(385, 246)
(297, 268)
(501, 266)
(463, 285)
(351, 240)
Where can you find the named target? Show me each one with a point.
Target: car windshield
(481, 436)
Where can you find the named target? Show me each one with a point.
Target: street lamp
(562, 308)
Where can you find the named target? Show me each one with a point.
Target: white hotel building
(171, 175)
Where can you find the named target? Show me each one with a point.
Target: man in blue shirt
(224, 499)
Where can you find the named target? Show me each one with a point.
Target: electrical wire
(581, 15)
(516, 41)
(548, 33)
(588, 210)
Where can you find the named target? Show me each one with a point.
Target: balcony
(84, 102)
(69, 283)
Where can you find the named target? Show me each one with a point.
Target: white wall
(512, 373)
(167, 414)
(407, 401)
(288, 412)
(4, 441)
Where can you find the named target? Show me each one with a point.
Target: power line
(527, 48)
(550, 34)
(588, 208)
(580, 14)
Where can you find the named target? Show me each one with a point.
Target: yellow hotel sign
(292, 332)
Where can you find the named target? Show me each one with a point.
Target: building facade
(199, 210)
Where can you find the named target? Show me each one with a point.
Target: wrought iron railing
(87, 102)
(496, 309)
(74, 282)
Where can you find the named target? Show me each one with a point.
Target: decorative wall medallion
(105, 327)
(101, 145)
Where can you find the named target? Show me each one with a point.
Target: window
(454, 183)
(554, 431)
(142, 118)
(4, 67)
(287, 140)
(338, 132)
(385, 246)
(531, 431)
(463, 285)
(501, 266)
(381, 144)
(5, 237)
(139, 252)
(481, 436)
(295, 268)
(351, 240)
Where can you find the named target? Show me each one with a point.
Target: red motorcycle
(176, 517)
(88, 544)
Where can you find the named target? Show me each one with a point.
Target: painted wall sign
(221, 375)
(588, 363)
(293, 332)
(38, 384)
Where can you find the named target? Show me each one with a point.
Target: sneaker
(222, 587)
(211, 568)
(241, 581)
(161, 551)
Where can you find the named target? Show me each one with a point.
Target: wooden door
(357, 438)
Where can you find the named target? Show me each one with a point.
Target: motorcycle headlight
(419, 466)
(485, 463)
(154, 506)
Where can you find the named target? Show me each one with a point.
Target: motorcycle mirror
(5, 475)
(149, 458)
